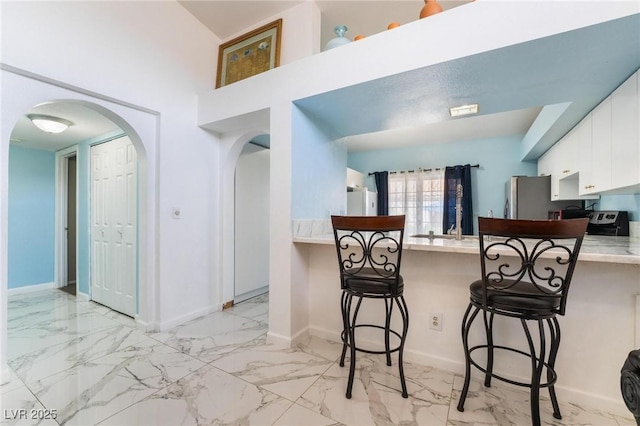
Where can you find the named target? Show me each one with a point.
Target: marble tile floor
(90, 365)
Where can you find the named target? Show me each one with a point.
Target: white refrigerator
(362, 203)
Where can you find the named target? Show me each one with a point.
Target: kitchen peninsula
(599, 329)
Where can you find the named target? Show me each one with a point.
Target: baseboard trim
(146, 326)
(83, 297)
(565, 394)
(30, 288)
(166, 325)
(300, 337)
(278, 339)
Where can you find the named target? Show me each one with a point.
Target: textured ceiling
(581, 66)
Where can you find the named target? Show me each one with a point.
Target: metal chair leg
(488, 326)
(554, 328)
(346, 308)
(404, 313)
(388, 307)
(466, 325)
(352, 345)
(537, 364)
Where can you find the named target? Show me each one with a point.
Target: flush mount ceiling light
(49, 124)
(463, 110)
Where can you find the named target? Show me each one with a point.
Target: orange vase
(431, 7)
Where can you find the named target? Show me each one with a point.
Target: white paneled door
(113, 225)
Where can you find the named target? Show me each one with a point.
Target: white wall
(252, 221)
(156, 56)
(300, 32)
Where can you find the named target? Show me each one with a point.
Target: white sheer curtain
(419, 196)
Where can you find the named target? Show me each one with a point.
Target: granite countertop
(594, 248)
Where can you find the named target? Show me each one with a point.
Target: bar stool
(526, 267)
(369, 254)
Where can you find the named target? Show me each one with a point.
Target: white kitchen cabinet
(558, 154)
(551, 164)
(602, 153)
(564, 162)
(599, 178)
(584, 142)
(545, 165)
(568, 155)
(355, 179)
(625, 143)
(574, 161)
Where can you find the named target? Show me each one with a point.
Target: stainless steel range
(609, 223)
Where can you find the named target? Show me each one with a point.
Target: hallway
(92, 366)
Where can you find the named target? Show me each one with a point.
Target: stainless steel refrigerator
(529, 197)
(362, 203)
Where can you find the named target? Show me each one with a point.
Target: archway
(233, 144)
(21, 92)
(251, 215)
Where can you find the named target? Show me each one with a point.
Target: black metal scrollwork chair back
(369, 254)
(526, 266)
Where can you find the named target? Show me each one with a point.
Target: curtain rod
(425, 170)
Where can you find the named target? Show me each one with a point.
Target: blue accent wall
(319, 170)
(499, 159)
(31, 243)
(31, 217)
(630, 203)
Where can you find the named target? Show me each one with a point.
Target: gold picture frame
(252, 53)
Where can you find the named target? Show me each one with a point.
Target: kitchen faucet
(459, 212)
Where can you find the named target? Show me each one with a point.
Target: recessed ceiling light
(463, 110)
(49, 124)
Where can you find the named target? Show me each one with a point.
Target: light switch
(176, 213)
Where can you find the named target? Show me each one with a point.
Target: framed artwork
(250, 54)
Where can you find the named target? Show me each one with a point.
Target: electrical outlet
(435, 321)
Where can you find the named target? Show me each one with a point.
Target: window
(419, 196)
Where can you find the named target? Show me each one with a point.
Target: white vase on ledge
(340, 38)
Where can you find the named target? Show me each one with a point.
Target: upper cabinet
(355, 180)
(566, 162)
(625, 144)
(598, 178)
(602, 153)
